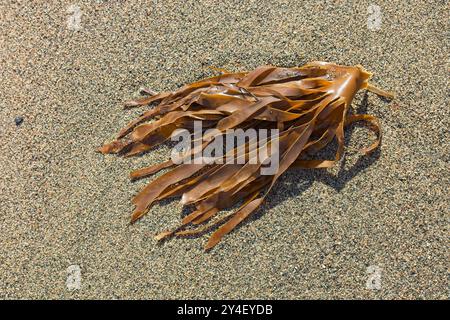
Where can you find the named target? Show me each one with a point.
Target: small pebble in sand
(18, 120)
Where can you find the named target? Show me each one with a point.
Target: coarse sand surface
(67, 66)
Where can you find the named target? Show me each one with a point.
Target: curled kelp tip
(308, 105)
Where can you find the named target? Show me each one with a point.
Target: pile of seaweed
(308, 105)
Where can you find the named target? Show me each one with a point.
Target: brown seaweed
(309, 105)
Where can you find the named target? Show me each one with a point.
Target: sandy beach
(66, 67)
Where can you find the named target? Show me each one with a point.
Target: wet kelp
(308, 105)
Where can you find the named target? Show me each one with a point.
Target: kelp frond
(308, 105)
